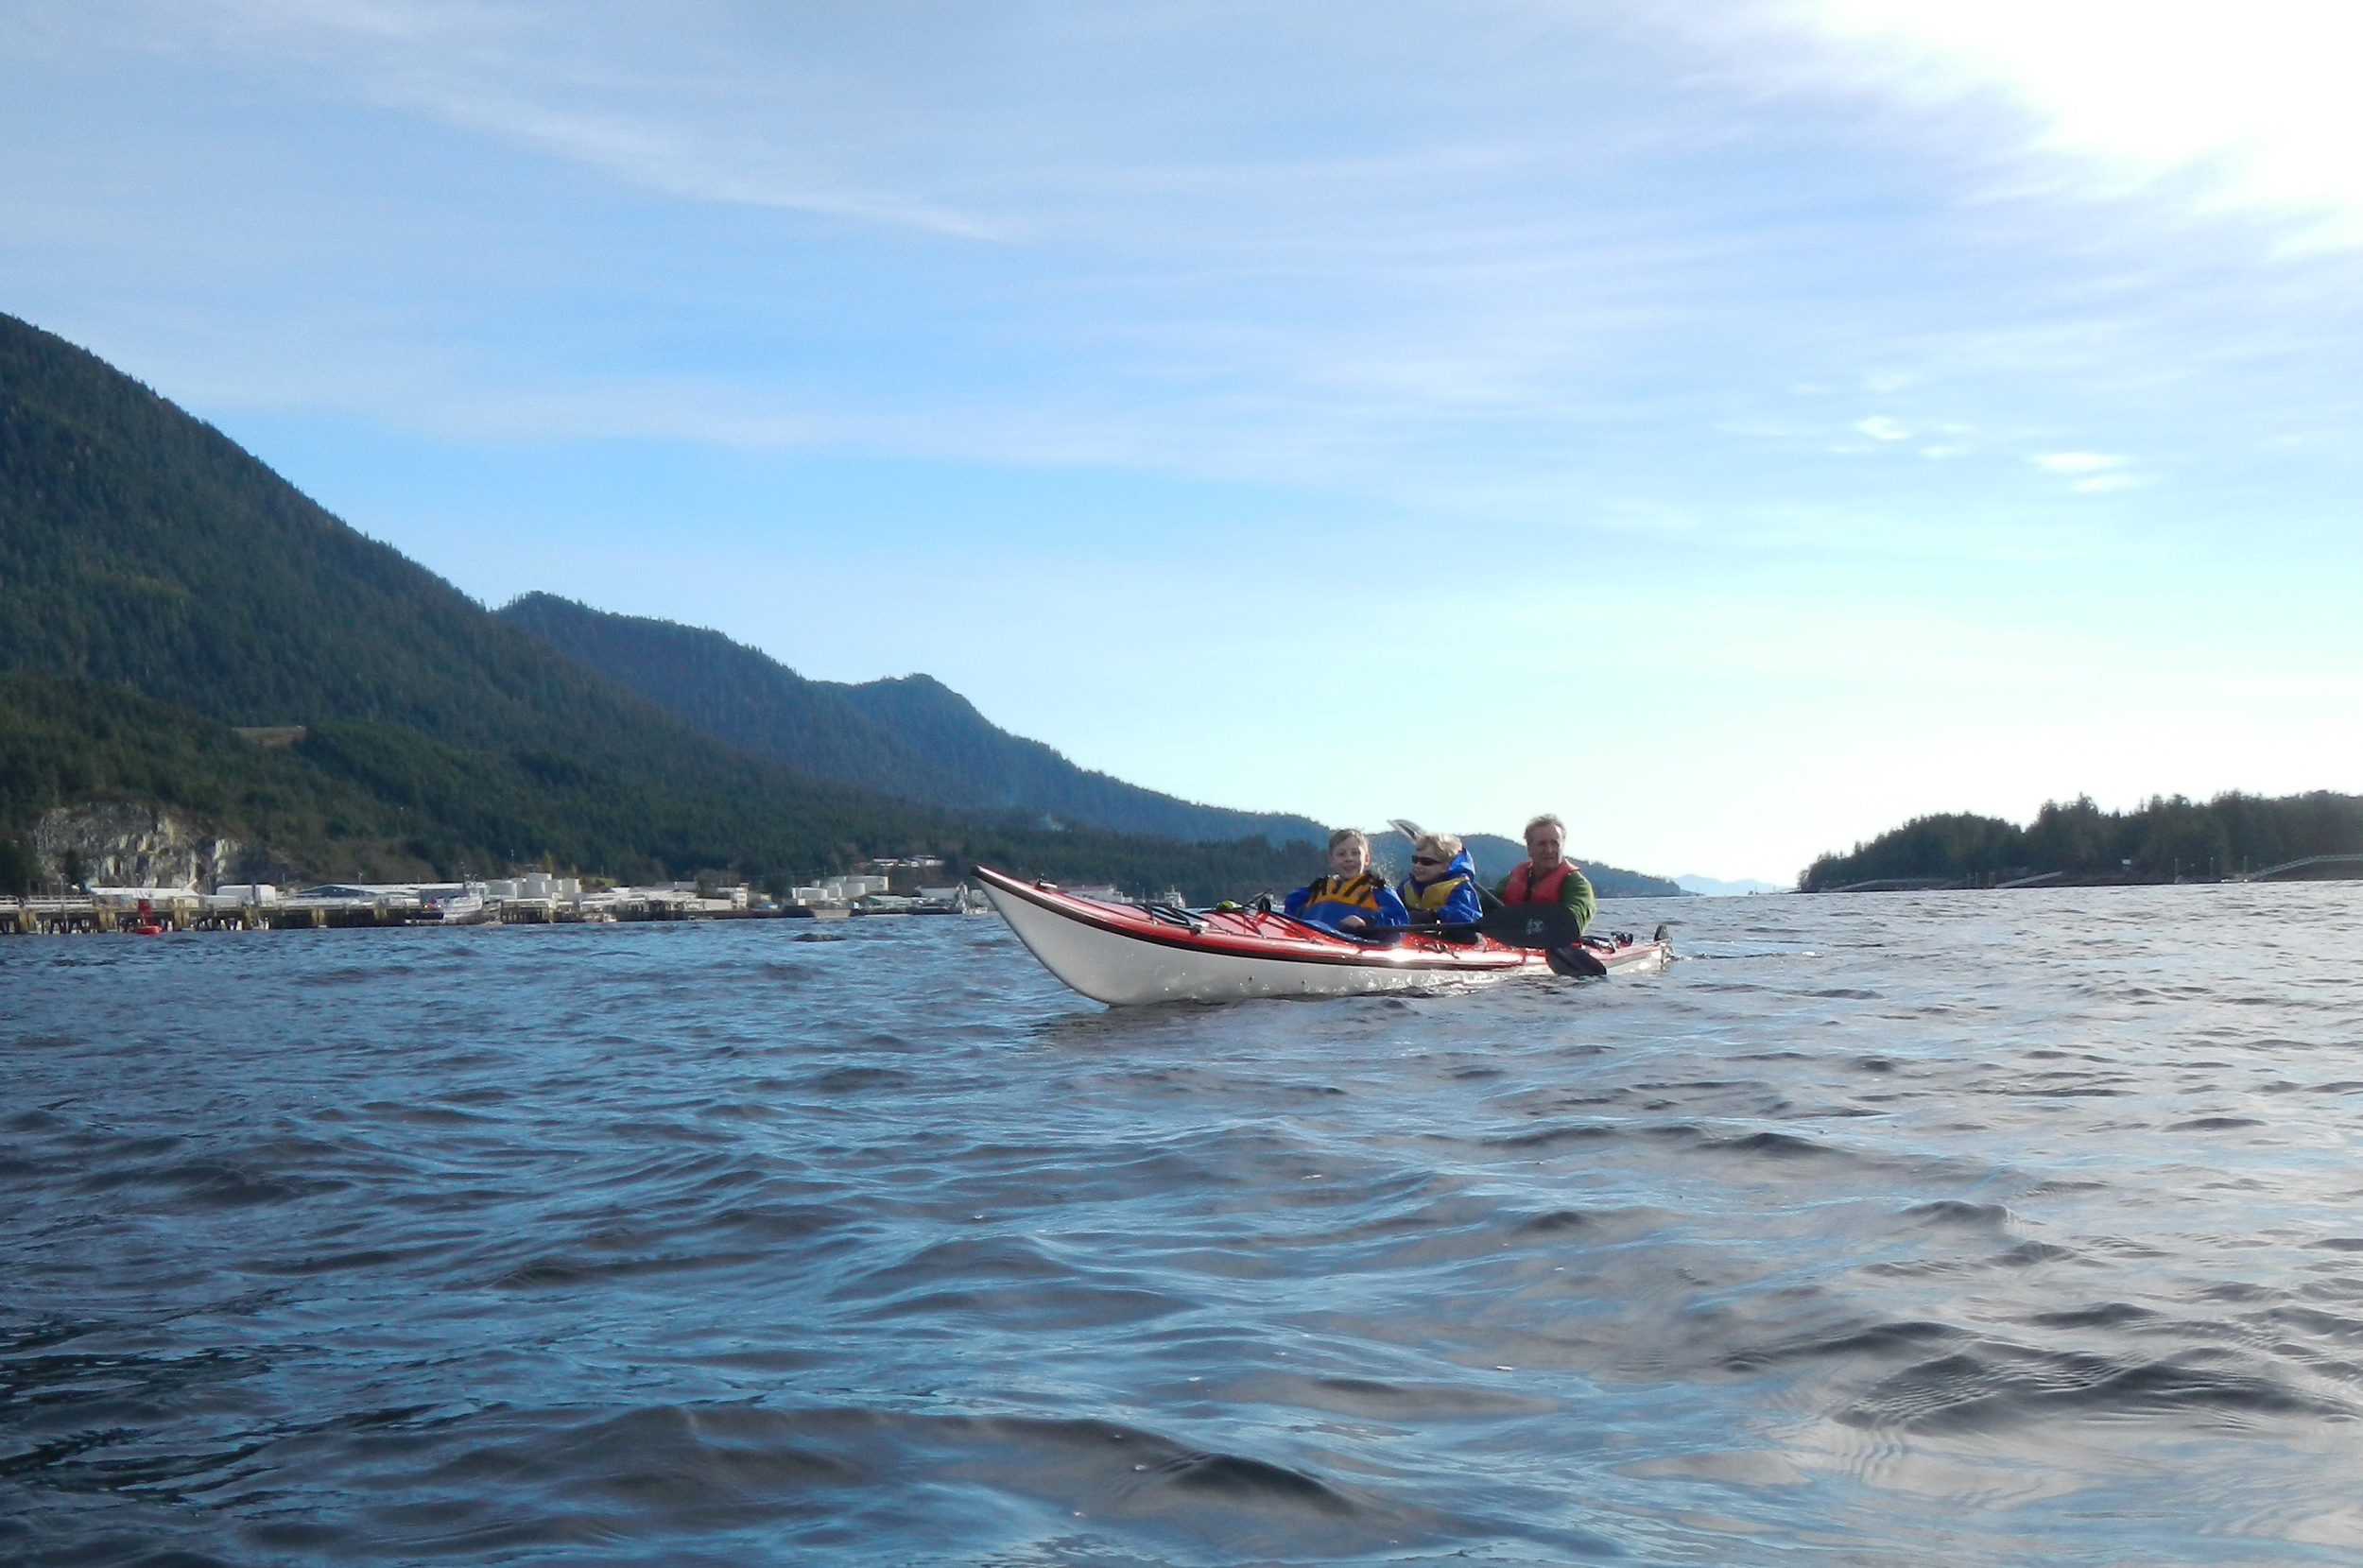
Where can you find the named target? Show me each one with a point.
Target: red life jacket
(1523, 888)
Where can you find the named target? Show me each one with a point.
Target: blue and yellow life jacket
(1328, 899)
(1452, 897)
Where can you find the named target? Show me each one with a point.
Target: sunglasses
(1425, 860)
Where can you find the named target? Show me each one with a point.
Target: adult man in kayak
(1351, 896)
(1546, 876)
(1442, 887)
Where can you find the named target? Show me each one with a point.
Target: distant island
(1708, 887)
(2166, 840)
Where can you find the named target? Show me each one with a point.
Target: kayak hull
(1129, 954)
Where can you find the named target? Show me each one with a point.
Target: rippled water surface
(1965, 1228)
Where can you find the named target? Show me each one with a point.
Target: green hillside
(914, 737)
(158, 583)
(360, 800)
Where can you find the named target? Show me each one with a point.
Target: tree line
(2165, 838)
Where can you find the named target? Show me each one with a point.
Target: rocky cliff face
(121, 845)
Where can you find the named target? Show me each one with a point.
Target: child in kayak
(1443, 887)
(1351, 896)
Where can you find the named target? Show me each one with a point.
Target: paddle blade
(1533, 926)
(1577, 963)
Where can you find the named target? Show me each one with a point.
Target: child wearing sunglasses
(1442, 889)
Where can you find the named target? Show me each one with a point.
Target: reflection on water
(1979, 1228)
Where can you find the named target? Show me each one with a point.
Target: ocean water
(2012, 1228)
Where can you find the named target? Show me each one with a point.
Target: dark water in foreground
(1963, 1228)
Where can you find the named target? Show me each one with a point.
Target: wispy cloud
(2090, 473)
(2078, 463)
(1444, 256)
(666, 105)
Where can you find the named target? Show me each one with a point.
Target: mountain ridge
(906, 735)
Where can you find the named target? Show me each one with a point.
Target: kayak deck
(1125, 954)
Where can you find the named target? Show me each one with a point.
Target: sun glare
(2254, 102)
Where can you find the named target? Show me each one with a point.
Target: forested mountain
(912, 737)
(2165, 839)
(158, 584)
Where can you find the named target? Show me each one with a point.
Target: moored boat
(464, 907)
(1123, 953)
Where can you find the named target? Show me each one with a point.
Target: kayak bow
(1123, 953)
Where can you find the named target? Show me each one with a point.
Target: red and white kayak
(1123, 954)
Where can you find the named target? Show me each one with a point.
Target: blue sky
(1739, 428)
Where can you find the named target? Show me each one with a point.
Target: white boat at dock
(465, 907)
